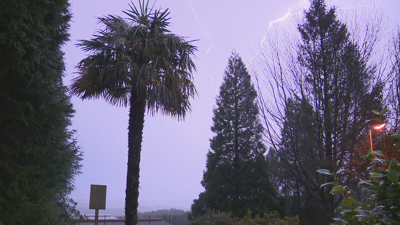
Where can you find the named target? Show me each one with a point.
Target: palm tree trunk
(135, 136)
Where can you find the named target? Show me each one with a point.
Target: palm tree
(137, 62)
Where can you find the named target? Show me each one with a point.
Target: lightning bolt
(212, 43)
(278, 20)
(271, 23)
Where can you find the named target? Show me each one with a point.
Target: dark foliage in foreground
(38, 153)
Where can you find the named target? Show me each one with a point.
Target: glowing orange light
(378, 127)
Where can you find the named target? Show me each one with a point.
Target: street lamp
(376, 127)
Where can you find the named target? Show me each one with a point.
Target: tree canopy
(39, 157)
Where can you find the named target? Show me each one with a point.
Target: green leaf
(329, 183)
(365, 182)
(376, 175)
(368, 157)
(364, 206)
(376, 112)
(379, 160)
(348, 214)
(337, 189)
(393, 176)
(383, 112)
(389, 221)
(378, 152)
(394, 165)
(348, 202)
(325, 172)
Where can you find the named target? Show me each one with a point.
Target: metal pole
(96, 217)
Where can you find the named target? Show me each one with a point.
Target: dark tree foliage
(296, 160)
(325, 124)
(39, 157)
(236, 178)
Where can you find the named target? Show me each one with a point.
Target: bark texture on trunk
(135, 136)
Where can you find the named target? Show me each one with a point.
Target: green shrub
(383, 187)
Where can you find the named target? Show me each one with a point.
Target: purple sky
(173, 152)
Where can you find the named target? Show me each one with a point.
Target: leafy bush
(384, 190)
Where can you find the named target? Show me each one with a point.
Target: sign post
(97, 199)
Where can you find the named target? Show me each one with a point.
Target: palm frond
(141, 16)
(104, 73)
(141, 56)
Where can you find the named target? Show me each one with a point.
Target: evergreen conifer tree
(38, 154)
(236, 178)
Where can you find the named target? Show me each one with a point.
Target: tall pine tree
(236, 178)
(38, 154)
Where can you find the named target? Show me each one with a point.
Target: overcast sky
(173, 152)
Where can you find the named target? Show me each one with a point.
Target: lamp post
(376, 127)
